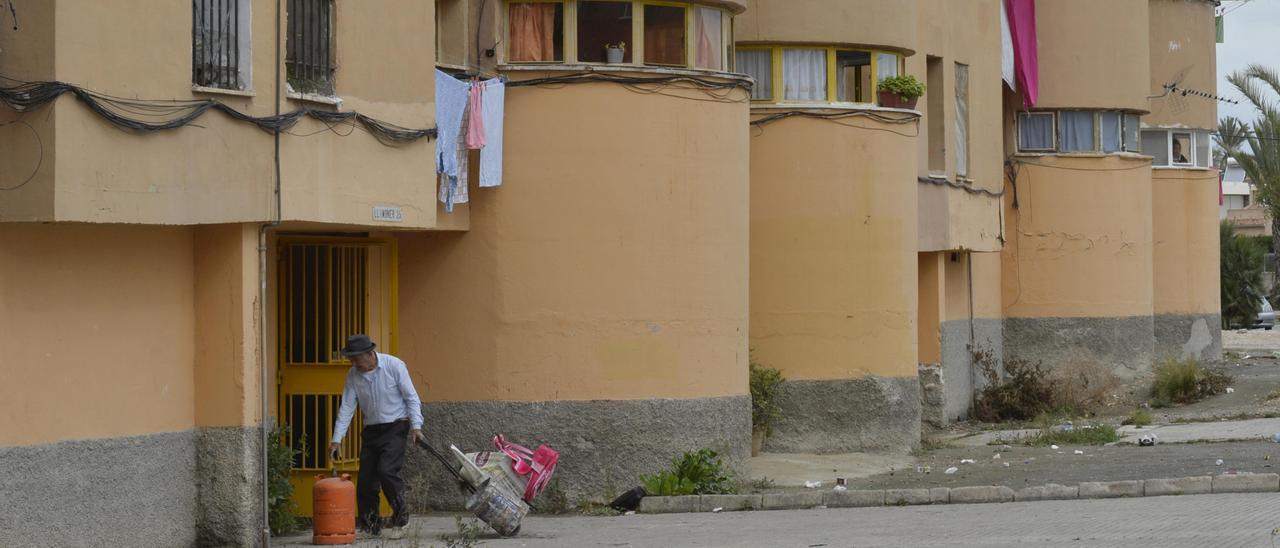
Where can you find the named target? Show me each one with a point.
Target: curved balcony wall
(867, 23)
(833, 269)
(1077, 265)
(1186, 287)
(599, 302)
(1093, 54)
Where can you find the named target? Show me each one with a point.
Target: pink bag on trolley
(524, 471)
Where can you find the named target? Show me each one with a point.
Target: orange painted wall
(1080, 243)
(833, 260)
(97, 325)
(1093, 54)
(226, 326)
(1186, 254)
(1183, 50)
(851, 22)
(931, 296)
(611, 263)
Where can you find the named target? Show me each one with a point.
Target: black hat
(357, 345)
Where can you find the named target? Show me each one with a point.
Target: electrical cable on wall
(837, 117)
(962, 186)
(39, 156)
(149, 115)
(718, 90)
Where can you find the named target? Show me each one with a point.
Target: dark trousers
(381, 458)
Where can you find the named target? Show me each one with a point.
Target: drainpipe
(262, 293)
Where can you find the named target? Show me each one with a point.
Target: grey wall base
(1189, 335)
(868, 414)
(229, 486)
(962, 375)
(1125, 345)
(604, 445)
(193, 488)
(137, 491)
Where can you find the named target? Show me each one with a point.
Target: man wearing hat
(380, 385)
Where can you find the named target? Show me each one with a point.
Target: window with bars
(220, 44)
(309, 46)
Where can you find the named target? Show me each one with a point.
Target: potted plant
(613, 53)
(764, 383)
(900, 91)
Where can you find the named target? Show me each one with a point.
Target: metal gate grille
(311, 417)
(309, 46)
(326, 299)
(215, 43)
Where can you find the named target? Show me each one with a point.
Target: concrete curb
(801, 500)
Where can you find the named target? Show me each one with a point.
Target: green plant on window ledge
(905, 86)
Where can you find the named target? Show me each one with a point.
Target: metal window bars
(215, 44)
(309, 46)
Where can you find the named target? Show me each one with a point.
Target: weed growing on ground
(280, 458)
(762, 484)
(1185, 381)
(694, 473)
(1023, 392)
(1087, 434)
(1273, 396)
(469, 532)
(1140, 417)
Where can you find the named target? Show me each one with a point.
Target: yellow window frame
(569, 14)
(779, 92)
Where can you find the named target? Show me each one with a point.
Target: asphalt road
(1219, 521)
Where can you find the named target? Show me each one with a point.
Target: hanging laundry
(491, 158)
(475, 110)
(451, 102)
(453, 188)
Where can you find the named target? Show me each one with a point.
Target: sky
(1252, 29)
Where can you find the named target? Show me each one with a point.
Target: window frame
(331, 53)
(569, 45)
(1193, 156)
(1053, 130)
(832, 84)
(775, 64)
(243, 51)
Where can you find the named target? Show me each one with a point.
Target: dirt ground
(1256, 378)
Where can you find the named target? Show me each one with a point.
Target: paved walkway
(786, 470)
(1253, 429)
(1251, 340)
(1222, 521)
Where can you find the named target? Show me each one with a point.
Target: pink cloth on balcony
(1022, 25)
(475, 109)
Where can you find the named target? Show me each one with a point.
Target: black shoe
(400, 520)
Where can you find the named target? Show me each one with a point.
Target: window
(962, 120)
(758, 64)
(853, 77)
(935, 116)
(1131, 122)
(1035, 132)
(309, 46)
(1177, 148)
(1075, 131)
(1156, 144)
(1181, 150)
(601, 24)
(451, 32)
(535, 32)
(815, 74)
(708, 38)
(655, 33)
(804, 74)
(1109, 131)
(664, 35)
(220, 44)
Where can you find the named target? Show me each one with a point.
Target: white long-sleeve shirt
(384, 395)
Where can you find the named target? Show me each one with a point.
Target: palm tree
(1259, 85)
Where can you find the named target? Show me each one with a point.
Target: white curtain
(758, 64)
(1110, 131)
(1035, 131)
(886, 65)
(1006, 50)
(804, 74)
(708, 39)
(962, 120)
(1075, 131)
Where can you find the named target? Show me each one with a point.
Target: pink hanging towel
(1022, 25)
(475, 126)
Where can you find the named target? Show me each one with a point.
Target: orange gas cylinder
(334, 510)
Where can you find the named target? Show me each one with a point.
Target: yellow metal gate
(327, 289)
